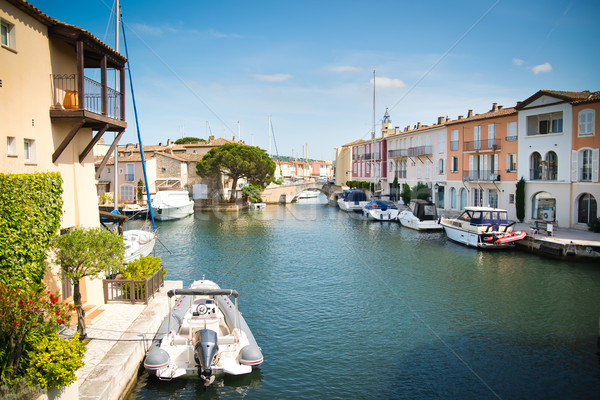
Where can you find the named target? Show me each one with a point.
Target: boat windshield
(465, 216)
(489, 218)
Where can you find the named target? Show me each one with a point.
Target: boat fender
(375, 205)
(156, 358)
(251, 355)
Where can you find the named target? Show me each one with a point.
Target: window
(511, 198)
(441, 165)
(441, 142)
(7, 34)
(511, 131)
(551, 166)
(545, 123)
(454, 164)
(587, 209)
(586, 123)
(11, 146)
(586, 165)
(477, 137)
(536, 166)
(477, 197)
(493, 198)
(126, 192)
(454, 142)
(491, 136)
(130, 175)
(108, 170)
(453, 198)
(511, 162)
(29, 150)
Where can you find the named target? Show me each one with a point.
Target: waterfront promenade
(118, 343)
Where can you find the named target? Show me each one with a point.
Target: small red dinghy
(510, 237)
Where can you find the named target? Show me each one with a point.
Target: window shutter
(595, 154)
(574, 164)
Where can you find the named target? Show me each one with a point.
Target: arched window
(453, 198)
(551, 166)
(535, 166)
(463, 198)
(544, 207)
(587, 208)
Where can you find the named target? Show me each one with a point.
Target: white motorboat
(172, 204)
(257, 206)
(137, 243)
(381, 210)
(134, 210)
(203, 335)
(482, 227)
(353, 200)
(420, 215)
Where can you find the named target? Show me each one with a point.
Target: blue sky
(309, 64)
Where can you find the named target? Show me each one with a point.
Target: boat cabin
(485, 217)
(354, 195)
(424, 210)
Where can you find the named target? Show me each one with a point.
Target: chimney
(169, 142)
(447, 118)
(418, 125)
(500, 108)
(211, 138)
(460, 117)
(440, 120)
(494, 107)
(469, 113)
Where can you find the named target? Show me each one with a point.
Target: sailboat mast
(116, 155)
(373, 161)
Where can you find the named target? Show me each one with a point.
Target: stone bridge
(275, 194)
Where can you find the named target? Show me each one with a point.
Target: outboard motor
(204, 352)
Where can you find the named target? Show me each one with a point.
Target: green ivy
(30, 212)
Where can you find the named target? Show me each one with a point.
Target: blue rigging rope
(137, 125)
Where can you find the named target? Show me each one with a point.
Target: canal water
(345, 308)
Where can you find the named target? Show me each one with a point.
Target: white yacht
(172, 204)
(353, 200)
(420, 215)
(137, 243)
(482, 227)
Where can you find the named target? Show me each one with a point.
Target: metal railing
(400, 153)
(133, 291)
(483, 145)
(543, 174)
(481, 176)
(65, 96)
(420, 151)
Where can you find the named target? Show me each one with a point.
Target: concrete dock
(561, 243)
(117, 346)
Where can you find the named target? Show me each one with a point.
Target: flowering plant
(22, 313)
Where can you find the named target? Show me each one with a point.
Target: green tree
(405, 194)
(421, 191)
(252, 193)
(189, 139)
(520, 200)
(238, 161)
(395, 186)
(140, 190)
(86, 252)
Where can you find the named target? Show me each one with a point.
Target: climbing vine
(30, 211)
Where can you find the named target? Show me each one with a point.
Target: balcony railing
(419, 151)
(481, 176)
(483, 145)
(400, 153)
(543, 174)
(65, 96)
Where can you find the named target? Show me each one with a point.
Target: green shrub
(252, 193)
(53, 361)
(141, 268)
(21, 390)
(520, 199)
(594, 225)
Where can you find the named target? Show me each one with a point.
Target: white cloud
(273, 77)
(383, 82)
(545, 67)
(517, 61)
(345, 68)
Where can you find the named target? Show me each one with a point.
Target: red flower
(16, 323)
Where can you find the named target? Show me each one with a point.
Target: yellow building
(52, 113)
